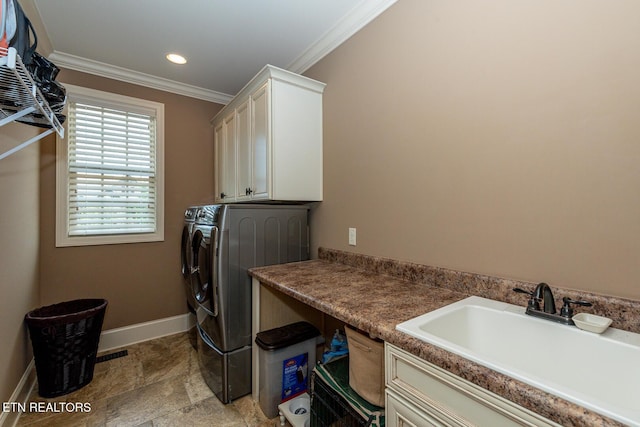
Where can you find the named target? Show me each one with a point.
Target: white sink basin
(598, 372)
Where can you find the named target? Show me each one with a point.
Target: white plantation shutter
(112, 171)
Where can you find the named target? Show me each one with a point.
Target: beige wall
(496, 137)
(18, 251)
(142, 282)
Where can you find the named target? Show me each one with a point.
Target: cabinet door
(218, 154)
(402, 413)
(243, 144)
(229, 158)
(446, 396)
(260, 142)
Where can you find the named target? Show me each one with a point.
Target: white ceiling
(226, 42)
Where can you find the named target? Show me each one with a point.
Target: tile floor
(157, 384)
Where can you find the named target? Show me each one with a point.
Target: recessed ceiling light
(176, 59)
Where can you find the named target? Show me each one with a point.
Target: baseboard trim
(20, 395)
(140, 332)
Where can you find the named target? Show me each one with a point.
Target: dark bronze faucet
(543, 294)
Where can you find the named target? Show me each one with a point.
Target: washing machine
(186, 259)
(227, 241)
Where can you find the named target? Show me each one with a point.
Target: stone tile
(167, 357)
(250, 410)
(197, 389)
(208, 412)
(148, 402)
(275, 422)
(113, 363)
(110, 379)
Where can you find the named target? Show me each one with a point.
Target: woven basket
(65, 340)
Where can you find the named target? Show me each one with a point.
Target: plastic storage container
(65, 339)
(287, 354)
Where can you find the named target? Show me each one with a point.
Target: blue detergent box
(287, 357)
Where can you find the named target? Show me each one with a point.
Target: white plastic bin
(287, 356)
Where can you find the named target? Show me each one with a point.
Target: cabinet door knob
(222, 195)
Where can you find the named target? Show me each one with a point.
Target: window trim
(122, 102)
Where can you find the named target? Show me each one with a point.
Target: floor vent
(111, 356)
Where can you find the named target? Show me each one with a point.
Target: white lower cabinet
(402, 413)
(421, 394)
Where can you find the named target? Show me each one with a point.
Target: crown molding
(365, 12)
(101, 69)
(350, 24)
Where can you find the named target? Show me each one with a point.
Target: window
(110, 177)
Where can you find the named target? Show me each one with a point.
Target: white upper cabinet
(276, 140)
(259, 142)
(224, 135)
(244, 144)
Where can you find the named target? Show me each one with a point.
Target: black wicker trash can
(65, 340)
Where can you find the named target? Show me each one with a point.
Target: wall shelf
(20, 99)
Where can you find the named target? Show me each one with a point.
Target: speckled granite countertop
(375, 294)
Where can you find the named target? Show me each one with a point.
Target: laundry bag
(366, 366)
(65, 339)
